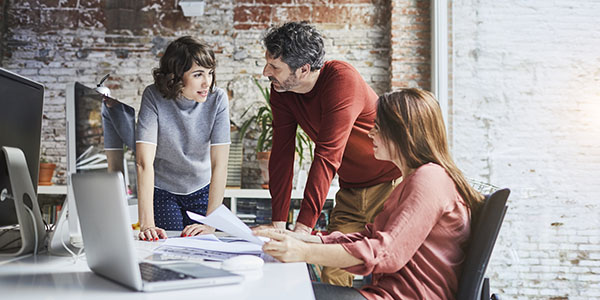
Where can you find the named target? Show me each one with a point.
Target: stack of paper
(209, 246)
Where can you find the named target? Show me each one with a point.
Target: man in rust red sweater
(336, 108)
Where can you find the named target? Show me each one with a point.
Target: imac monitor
(98, 127)
(100, 138)
(21, 109)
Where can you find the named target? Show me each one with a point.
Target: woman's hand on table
(197, 229)
(152, 233)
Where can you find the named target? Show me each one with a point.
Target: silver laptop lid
(102, 207)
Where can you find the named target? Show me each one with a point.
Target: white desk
(53, 277)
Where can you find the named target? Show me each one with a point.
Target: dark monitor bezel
(30, 142)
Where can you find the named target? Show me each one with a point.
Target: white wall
(526, 115)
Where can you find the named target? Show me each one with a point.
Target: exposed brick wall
(526, 116)
(58, 42)
(410, 44)
(524, 104)
(3, 26)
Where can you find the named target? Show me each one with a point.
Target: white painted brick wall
(526, 115)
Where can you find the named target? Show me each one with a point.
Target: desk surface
(54, 277)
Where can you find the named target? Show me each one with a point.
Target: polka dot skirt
(169, 209)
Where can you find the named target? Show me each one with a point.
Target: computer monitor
(100, 138)
(21, 110)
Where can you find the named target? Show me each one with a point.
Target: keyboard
(10, 240)
(154, 273)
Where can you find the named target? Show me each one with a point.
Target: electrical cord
(5, 195)
(35, 230)
(58, 230)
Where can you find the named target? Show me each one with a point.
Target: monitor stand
(31, 226)
(62, 242)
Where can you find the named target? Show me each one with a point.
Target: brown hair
(178, 59)
(411, 121)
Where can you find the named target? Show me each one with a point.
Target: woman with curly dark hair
(182, 141)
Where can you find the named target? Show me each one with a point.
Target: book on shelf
(50, 213)
(314, 272)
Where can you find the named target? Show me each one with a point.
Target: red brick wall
(411, 44)
(58, 42)
(336, 13)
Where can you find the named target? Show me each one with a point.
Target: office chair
(487, 222)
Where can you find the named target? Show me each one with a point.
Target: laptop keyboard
(153, 273)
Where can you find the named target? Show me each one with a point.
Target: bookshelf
(235, 194)
(251, 205)
(53, 195)
(50, 199)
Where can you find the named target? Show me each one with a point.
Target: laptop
(109, 244)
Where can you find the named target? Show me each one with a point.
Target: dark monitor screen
(21, 109)
(98, 130)
(101, 124)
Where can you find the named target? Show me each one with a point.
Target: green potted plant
(263, 121)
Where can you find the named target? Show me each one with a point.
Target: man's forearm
(279, 224)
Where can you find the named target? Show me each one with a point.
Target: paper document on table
(204, 247)
(212, 245)
(223, 219)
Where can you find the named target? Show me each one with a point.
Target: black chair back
(487, 224)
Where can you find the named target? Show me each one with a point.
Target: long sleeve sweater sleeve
(337, 115)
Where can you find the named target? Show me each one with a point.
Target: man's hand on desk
(274, 225)
(197, 229)
(301, 228)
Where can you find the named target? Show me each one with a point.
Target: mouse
(242, 263)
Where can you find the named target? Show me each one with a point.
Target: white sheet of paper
(223, 219)
(207, 237)
(231, 247)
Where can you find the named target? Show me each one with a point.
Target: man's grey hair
(297, 43)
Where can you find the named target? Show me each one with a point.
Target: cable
(35, 230)
(58, 231)
(46, 225)
(5, 195)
